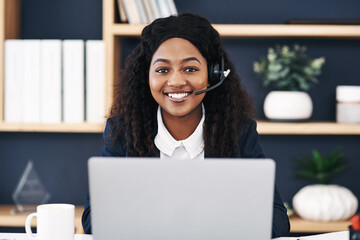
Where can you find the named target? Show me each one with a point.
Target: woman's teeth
(178, 95)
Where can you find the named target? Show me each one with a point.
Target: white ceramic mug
(54, 222)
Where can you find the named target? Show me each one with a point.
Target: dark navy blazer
(249, 147)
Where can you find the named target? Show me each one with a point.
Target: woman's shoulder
(249, 145)
(247, 124)
(112, 120)
(113, 124)
(247, 130)
(114, 138)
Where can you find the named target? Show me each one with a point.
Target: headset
(215, 72)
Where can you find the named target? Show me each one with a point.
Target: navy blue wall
(60, 158)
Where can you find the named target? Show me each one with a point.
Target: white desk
(22, 236)
(344, 235)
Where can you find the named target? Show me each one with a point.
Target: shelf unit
(113, 33)
(10, 12)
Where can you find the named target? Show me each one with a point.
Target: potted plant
(291, 73)
(323, 201)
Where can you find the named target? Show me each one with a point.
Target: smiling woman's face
(177, 71)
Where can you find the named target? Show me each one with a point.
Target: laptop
(153, 199)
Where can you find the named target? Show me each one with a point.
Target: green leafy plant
(319, 168)
(289, 69)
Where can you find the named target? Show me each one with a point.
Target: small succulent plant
(321, 169)
(289, 69)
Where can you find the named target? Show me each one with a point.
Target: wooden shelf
(61, 127)
(300, 225)
(307, 128)
(263, 127)
(259, 30)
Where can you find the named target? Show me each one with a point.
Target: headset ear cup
(214, 73)
(210, 73)
(216, 76)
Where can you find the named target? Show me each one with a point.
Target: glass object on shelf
(348, 104)
(30, 191)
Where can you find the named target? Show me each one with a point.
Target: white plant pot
(288, 106)
(325, 203)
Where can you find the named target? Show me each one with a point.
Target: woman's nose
(176, 80)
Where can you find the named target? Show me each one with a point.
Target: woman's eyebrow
(161, 60)
(184, 60)
(191, 59)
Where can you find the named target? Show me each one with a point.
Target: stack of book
(145, 11)
(54, 81)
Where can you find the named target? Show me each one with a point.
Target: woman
(156, 112)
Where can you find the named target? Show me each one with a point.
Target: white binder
(95, 81)
(50, 78)
(73, 81)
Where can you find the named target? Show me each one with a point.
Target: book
(164, 8)
(73, 81)
(172, 7)
(141, 11)
(95, 81)
(31, 81)
(148, 10)
(131, 11)
(50, 81)
(13, 81)
(122, 13)
(154, 9)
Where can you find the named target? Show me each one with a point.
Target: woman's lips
(178, 96)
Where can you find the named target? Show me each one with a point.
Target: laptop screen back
(144, 198)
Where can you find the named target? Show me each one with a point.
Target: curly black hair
(227, 108)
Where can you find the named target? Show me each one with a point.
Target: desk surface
(343, 235)
(18, 220)
(327, 236)
(22, 236)
(297, 224)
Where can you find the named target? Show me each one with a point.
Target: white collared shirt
(190, 148)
